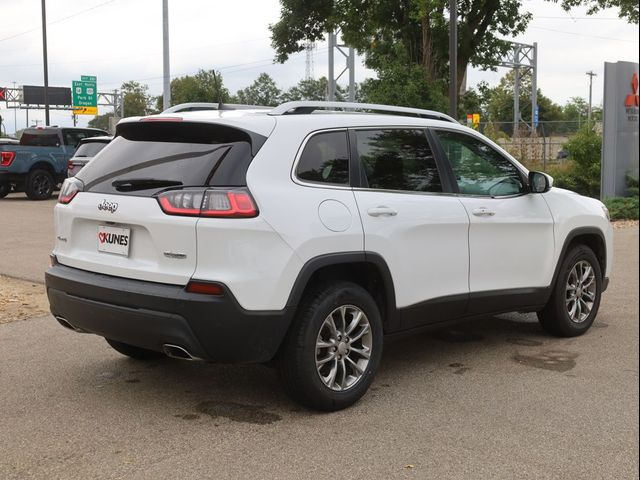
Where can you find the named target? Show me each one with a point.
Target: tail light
(6, 158)
(69, 165)
(218, 203)
(70, 188)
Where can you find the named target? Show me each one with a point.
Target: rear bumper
(10, 177)
(149, 315)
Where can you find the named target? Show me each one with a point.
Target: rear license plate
(114, 240)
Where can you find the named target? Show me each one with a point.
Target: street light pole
(453, 58)
(591, 75)
(45, 62)
(166, 93)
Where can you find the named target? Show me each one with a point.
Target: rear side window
(398, 159)
(325, 159)
(152, 156)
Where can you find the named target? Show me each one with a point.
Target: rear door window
(325, 159)
(398, 159)
(177, 154)
(73, 137)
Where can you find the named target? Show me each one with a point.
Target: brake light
(70, 188)
(218, 203)
(6, 158)
(161, 119)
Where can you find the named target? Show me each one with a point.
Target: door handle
(483, 212)
(382, 211)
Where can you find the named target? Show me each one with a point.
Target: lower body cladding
(164, 318)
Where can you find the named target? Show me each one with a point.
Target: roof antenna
(218, 86)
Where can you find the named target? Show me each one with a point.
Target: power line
(58, 21)
(141, 55)
(224, 69)
(585, 35)
(577, 18)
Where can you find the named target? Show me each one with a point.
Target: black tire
(297, 358)
(133, 352)
(5, 188)
(39, 185)
(556, 318)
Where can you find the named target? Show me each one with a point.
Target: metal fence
(539, 149)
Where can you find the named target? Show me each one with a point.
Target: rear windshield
(43, 138)
(90, 149)
(149, 157)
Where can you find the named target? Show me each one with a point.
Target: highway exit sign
(85, 95)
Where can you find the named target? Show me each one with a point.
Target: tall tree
(627, 9)
(392, 34)
(204, 86)
(263, 91)
(137, 100)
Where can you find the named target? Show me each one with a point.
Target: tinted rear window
(193, 154)
(89, 149)
(40, 139)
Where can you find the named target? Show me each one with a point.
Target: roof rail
(305, 107)
(196, 106)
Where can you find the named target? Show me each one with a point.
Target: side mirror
(539, 182)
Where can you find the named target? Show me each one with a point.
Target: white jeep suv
(304, 235)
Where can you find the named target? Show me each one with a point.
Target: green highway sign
(85, 93)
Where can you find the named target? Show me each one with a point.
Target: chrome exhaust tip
(176, 351)
(66, 324)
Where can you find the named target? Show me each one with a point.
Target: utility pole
(166, 93)
(591, 75)
(453, 58)
(15, 112)
(46, 68)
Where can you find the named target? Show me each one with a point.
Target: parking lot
(493, 399)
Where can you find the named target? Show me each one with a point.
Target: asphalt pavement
(497, 398)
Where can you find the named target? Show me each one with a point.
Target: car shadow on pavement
(252, 393)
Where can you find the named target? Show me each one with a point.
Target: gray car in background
(87, 149)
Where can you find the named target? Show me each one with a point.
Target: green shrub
(622, 208)
(625, 208)
(583, 173)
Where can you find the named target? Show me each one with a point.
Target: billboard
(34, 95)
(620, 127)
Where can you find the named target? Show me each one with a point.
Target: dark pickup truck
(39, 163)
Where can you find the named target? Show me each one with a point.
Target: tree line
(494, 105)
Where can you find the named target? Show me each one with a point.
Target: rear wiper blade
(143, 184)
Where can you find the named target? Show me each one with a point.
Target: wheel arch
(367, 269)
(593, 238)
(40, 164)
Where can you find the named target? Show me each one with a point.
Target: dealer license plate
(114, 240)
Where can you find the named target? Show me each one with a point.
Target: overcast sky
(119, 40)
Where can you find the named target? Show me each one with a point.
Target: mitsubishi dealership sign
(620, 140)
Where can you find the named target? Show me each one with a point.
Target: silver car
(87, 149)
